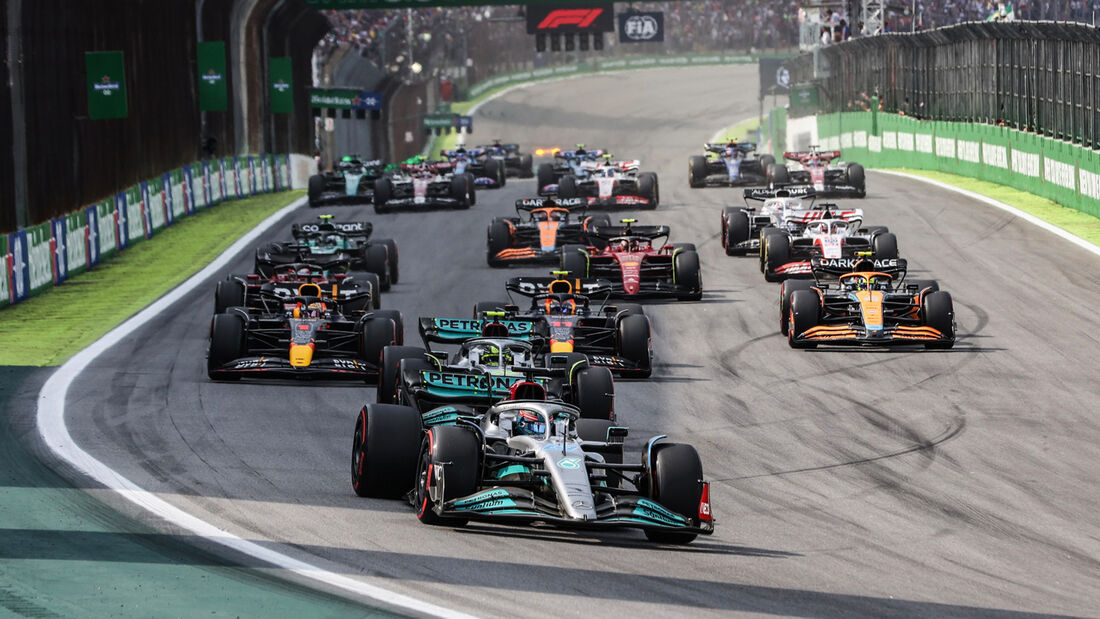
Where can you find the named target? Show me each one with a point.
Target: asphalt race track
(846, 482)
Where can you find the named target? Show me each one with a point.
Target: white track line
(1028, 217)
(51, 425)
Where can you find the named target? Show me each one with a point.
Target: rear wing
(457, 330)
(527, 204)
(840, 266)
(647, 232)
(535, 286)
(824, 154)
(718, 147)
(356, 230)
(818, 213)
(779, 191)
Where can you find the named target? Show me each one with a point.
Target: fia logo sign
(641, 27)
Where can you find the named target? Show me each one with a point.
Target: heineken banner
(282, 86)
(17, 266)
(106, 77)
(345, 99)
(213, 95)
(40, 255)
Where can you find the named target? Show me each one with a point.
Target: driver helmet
(580, 150)
(315, 309)
(837, 227)
(492, 356)
(623, 245)
(529, 423)
(820, 227)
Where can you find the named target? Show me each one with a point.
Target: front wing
(828, 190)
(858, 335)
(338, 368)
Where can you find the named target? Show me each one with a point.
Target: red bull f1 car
(816, 169)
(636, 266)
(538, 238)
(528, 461)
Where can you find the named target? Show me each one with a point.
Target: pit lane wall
(1060, 171)
(32, 259)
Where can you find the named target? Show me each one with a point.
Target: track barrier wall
(34, 258)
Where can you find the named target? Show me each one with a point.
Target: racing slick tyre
(766, 161)
(938, 312)
(697, 171)
(378, 333)
(227, 342)
(494, 169)
(567, 186)
(389, 372)
(764, 234)
(736, 231)
(634, 343)
(372, 281)
(391, 255)
(452, 453)
(786, 289)
(776, 252)
(385, 450)
(647, 188)
(804, 314)
(383, 192)
(498, 239)
(857, 178)
(675, 482)
(924, 286)
(316, 188)
(462, 191)
(546, 176)
(574, 260)
(526, 166)
(628, 309)
(683, 246)
(376, 260)
(686, 272)
(598, 221)
(596, 430)
(228, 293)
(488, 306)
(594, 392)
(885, 245)
(777, 174)
(876, 230)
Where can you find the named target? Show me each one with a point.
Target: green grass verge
(741, 129)
(51, 327)
(1071, 220)
(450, 140)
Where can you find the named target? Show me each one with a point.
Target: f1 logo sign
(581, 18)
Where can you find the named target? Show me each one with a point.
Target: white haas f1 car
(613, 183)
(843, 179)
(742, 225)
(527, 460)
(788, 251)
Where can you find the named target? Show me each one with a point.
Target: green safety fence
(1060, 171)
(34, 258)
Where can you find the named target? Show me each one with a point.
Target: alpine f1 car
(528, 461)
(869, 304)
(562, 318)
(729, 164)
(488, 368)
(352, 182)
(815, 168)
(578, 163)
(742, 225)
(613, 183)
(488, 172)
(327, 237)
(788, 251)
(635, 265)
(301, 336)
(354, 291)
(538, 238)
(425, 184)
(515, 162)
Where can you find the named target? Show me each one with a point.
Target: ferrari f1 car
(729, 164)
(528, 461)
(613, 183)
(301, 336)
(635, 265)
(788, 250)
(538, 238)
(561, 318)
(869, 304)
(742, 225)
(515, 162)
(424, 184)
(488, 368)
(487, 172)
(578, 162)
(352, 182)
(354, 291)
(815, 168)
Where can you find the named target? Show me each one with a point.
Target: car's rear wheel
(686, 272)
(391, 256)
(778, 174)
(857, 178)
(546, 176)
(456, 453)
(461, 192)
(697, 171)
(227, 343)
(777, 252)
(574, 260)
(764, 234)
(567, 186)
(594, 391)
(499, 238)
(648, 189)
(805, 313)
(736, 231)
(939, 313)
(377, 260)
(228, 293)
(526, 166)
(634, 343)
(390, 371)
(886, 246)
(786, 289)
(383, 193)
(494, 169)
(385, 451)
(676, 482)
(766, 162)
(378, 333)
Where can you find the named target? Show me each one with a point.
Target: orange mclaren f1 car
(538, 238)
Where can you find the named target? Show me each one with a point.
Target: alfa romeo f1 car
(613, 183)
(528, 461)
(487, 172)
(788, 251)
(538, 238)
(635, 265)
(352, 182)
(868, 305)
(729, 164)
(815, 168)
(425, 184)
(302, 336)
(578, 162)
(515, 162)
(742, 225)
